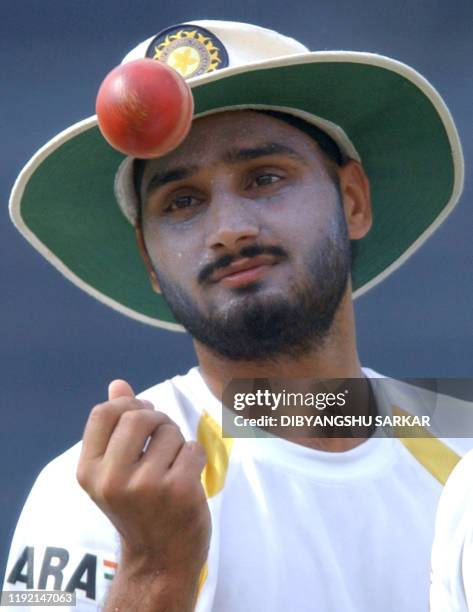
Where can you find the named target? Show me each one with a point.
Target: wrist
(151, 593)
(149, 565)
(141, 584)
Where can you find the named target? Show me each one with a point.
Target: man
(256, 231)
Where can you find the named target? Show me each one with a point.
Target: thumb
(119, 388)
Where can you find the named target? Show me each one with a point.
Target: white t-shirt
(452, 553)
(292, 528)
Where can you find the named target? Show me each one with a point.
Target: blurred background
(60, 347)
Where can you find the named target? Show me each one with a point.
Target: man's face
(245, 231)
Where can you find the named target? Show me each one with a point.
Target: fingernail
(147, 404)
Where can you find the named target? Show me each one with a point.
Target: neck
(336, 357)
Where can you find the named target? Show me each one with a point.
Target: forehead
(211, 139)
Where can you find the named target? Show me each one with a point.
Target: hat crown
(230, 43)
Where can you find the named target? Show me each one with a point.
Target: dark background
(60, 348)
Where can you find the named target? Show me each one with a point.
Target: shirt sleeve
(62, 541)
(452, 552)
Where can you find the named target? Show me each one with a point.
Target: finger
(189, 462)
(101, 423)
(130, 435)
(119, 388)
(162, 450)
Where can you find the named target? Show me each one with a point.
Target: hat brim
(63, 201)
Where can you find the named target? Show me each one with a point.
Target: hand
(139, 470)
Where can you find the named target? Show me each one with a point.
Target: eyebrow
(234, 156)
(270, 148)
(176, 174)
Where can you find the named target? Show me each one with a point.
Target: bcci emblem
(190, 50)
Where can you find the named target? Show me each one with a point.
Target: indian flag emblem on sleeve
(109, 569)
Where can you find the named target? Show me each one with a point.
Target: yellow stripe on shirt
(218, 448)
(435, 456)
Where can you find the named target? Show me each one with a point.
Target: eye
(265, 179)
(181, 202)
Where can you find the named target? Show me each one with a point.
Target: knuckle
(134, 413)
(164, 417)
(144, 488)
(110, 494)
(130, 417)
(123, 404)
(111, 489)
(168, 488)
(100, 411)
(83, 476)
(113, 408)
(136, 404)
(179, 492)
(171, 431)
(156, 417)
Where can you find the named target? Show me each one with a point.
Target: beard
(259, 328)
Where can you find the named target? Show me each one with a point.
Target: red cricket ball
(144, 108)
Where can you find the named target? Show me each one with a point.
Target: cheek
(171, 253)
(302, 220)
(309, 224)
(153, 242)
(321, 206)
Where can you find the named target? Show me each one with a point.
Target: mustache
(246, 252)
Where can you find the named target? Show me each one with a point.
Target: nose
(231, 221)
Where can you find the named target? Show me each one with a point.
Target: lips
(244, 270)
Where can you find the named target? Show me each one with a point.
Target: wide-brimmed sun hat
(74, 200)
